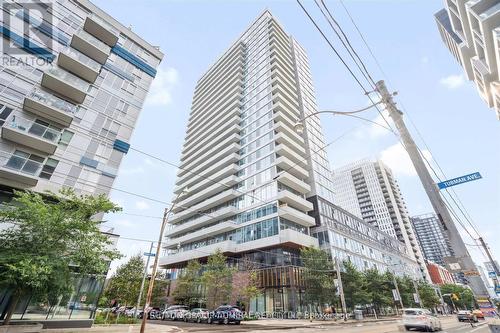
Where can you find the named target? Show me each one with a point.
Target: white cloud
(453, 81)
(424, 60)
(374, 131)
(142, 205)
(396, 158)
(160, 91)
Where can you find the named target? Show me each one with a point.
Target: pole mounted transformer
(461, 261)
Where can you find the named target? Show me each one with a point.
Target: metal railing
(20, 163)
(34, 128)
(54, 101)
(69, 78)
(89, 62)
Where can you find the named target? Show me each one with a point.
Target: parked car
(466, 315)
(154, 313)
(226, 314)
(197, 315)
(478, 313)
(122, 310)
(421, 319)
(174, 312)
(129, 312)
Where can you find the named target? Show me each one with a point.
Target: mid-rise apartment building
(368, 189)
(73, 81)
(432, 238)
(249, 181)
(471, 31)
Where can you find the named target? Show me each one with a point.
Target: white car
(175, 312)
(421, 319)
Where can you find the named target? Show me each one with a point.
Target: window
(25, 162)
(45, 130)
(4, 113)
(66, 137)
(48, 168)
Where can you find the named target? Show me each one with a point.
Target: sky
(444, 112)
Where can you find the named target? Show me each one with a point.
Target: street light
(164, 222)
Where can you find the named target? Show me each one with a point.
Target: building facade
(439, 274)
(432, 238)
(471, 31)
(369, 190)
(248, 179)
(73, 81)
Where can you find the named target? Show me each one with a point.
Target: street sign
(497, 290)
(471, 273)
(415, 297)
(492, 275)
(395, 295)
(459, 180)
(147, 254)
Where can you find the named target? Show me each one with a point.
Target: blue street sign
(492, 275)
(147, 254)
(459, 180)
(497, 289)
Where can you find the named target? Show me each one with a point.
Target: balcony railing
(105, 24)
(20, 163)
(69, 78)
(34, 128)
(87, 61)
(53, 101)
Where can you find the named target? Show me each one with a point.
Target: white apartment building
(73, 81)
(248, 180)
(369, 190)
(471, 31)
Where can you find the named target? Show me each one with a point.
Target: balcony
(291, 181)
(283, 150)
(282, 138)
(287, 237)
(202, 220)
(65, 84)
(207, 204)
(197, 196)
(91, 46)
(290, 167)
(79, 64)
(296, 216)
(50, 107)
(18, 170)
(101, 29)
(184, 256)
(199, 186)
(34, 134)
(201, 234)
(200, 164)
(294, 200)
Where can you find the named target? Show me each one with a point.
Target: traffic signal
(454, 297)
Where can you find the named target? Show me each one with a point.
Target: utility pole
(490, 257)
(415, 285)
(143, 280)
(460, 252)
(397, 291)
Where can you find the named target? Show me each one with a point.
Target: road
(450, 325)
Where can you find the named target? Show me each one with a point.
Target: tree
(354, 286)
(124, 285)
(48, 237)
(246, 284)
(406, 290)
(428, 295)
(318, 277)
(187, 289)
(217, 279)
(464, 294)
(159, 295)
(378, 288)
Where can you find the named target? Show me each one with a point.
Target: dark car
(197, 315)
(226, 314)
(466, 315)
(154, 313)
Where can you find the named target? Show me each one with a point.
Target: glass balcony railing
(105, 24)
(36, 128)
(53, 101)
(89, 62)
(22, 162)
(69, 78)
(94, 41)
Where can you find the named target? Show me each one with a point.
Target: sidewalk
(298, 323)
(150, 328)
